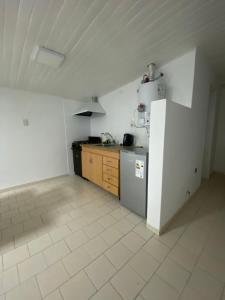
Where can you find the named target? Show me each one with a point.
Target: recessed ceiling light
(47, 57)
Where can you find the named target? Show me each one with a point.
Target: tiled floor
(67, 239)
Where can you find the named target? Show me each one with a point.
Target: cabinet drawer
(110, 179)
(112, 162)
(111, 188)
(110, 171)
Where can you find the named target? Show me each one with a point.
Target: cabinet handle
(90, 161)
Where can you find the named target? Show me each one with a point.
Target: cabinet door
(96, 168)
(86, 165)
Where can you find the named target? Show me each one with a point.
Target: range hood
(90, 108)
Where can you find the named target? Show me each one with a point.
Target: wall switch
(25, 122)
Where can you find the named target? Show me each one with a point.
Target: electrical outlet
(25, 122)
(188, 194)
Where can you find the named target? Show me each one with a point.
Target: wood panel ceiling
(106, 43)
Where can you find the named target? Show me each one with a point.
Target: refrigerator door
(133, 181)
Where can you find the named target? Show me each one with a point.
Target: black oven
(77, 149)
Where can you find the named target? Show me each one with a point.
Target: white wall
(183, 145)
(39, 150)
(179, 78)
(156, 159)
(77, 128)
(219, 160)
(119, 106)
(209, 149)
(121, 103)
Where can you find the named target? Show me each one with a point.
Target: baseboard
(153, 229)
(31, 183)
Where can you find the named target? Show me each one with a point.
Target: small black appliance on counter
(128, 139)
(77, 149)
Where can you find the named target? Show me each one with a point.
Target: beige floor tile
(31, 266)
(33, 223)
(15, 256)
(106, 292)
(24, 238)
(78, 287)
(215, 247)
(52, 278)
(123, 226)
(212, 265)
(100, 271)
(76, 225)
(59, 233)
(189, 294)
(27, 290)
(157, 249)
(56, 252)
(194, 240)
(128, 283)
(96, 247)
(119, 213)
(8, 280)
(174, 274)
(44, 230)
(139, 297)
(198, 230)
(118, 255)
(143, 231)
(76, 261)
(6, 245)
(39, 244)
(169, 238)
(54, 296)
(206, 285)
(133, 241)
(76, 239)
(107, 221)
(63, 219)
(183, 257)
(134, 219)
(144, 264)
(157, 289)
(111, 236)
(12, 231)
(1, 264)
(93, 230)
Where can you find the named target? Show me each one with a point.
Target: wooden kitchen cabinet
(92, 167)
(101, 167)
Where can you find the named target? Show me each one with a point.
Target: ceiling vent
(47, 57)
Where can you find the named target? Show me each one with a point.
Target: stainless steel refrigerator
(133, 180)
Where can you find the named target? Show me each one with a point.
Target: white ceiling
(106, 43)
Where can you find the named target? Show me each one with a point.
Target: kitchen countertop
(114, 148)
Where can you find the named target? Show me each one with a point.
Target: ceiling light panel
(48, 57)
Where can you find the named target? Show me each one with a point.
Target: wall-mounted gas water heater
(150, 89)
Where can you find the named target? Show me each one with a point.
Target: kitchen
(112, 150)
(120, 168)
